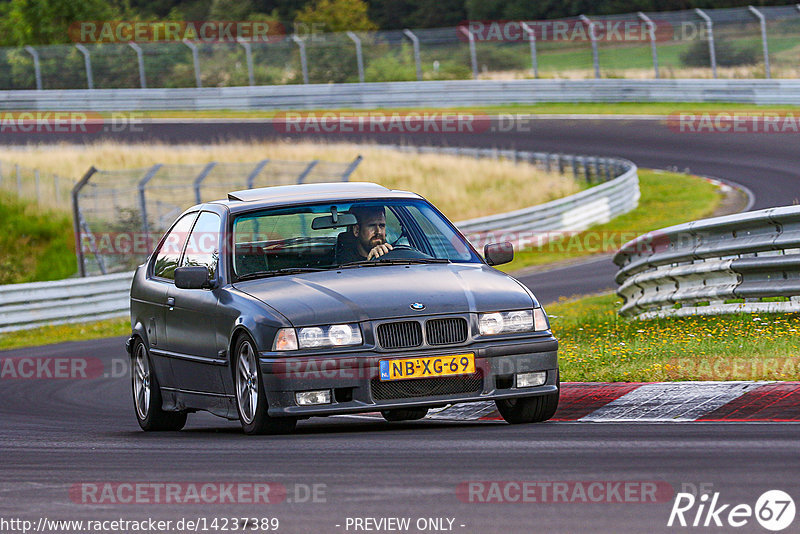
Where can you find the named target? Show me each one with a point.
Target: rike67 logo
(774, 510)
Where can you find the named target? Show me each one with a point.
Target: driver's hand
(378, 251)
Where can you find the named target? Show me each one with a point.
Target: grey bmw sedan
(288, 302)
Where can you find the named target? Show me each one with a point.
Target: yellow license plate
(456, 364)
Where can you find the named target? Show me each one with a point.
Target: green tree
(230, 10)
(336, 16)
(37, 22)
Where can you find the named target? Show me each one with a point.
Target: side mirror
(192, 278)
(498, 253)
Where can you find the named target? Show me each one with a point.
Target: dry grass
(461, 187)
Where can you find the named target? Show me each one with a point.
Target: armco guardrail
(748, 262)
(99, 297)
(25, 306)
(446, 94)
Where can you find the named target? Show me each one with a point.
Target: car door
(192, 316)
(160, 278)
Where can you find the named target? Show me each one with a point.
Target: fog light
(309, 398)
(528, 380)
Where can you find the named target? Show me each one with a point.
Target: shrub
(727, 53)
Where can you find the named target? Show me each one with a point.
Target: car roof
(283, 195)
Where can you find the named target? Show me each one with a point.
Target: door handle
(171, 302)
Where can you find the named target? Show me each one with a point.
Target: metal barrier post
(417, 59)
(473, 55)
(251, 178)
(140, 60)
(532, 40)
(763, 23)
(76, 218)
(359, 56)
(595, 59)
(651, 27)
(87, 61)
(37, 70)
(199, 180)
(248, 54)
(586, 172)
(303, 59)
(350, 168)
(143, 200)
(303, 175)
(711, 50)
(195, 60)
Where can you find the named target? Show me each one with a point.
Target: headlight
(512, 321)
(312, 337)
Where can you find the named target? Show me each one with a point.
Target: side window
(203, 246)
(169, 254)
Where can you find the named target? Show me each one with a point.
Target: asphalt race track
(59, 435)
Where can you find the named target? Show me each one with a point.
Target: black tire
(147, 394)
(529, 409)
(404, 414)
(254, 417)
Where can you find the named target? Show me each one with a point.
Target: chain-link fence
(729, 43)
(120, 215)
(46, 189)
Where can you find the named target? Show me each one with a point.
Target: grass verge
(35, 245)
(667, 198)
(555, 108)
(596, 345)
(47, 335)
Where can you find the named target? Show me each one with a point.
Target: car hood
(387, 291)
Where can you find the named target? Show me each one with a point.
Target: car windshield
(324, 236)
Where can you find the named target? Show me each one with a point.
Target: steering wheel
(402, 252)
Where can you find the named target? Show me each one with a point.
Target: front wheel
(251, 400)
(147, 395)
(529, 409)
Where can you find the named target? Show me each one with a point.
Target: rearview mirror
(192, 278)
(498, 253)
(327, 221)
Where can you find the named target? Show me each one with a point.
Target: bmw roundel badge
(417, 306)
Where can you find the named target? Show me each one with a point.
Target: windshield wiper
(278, 272)
(394, 261)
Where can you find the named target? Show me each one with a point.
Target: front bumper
(352, 376)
